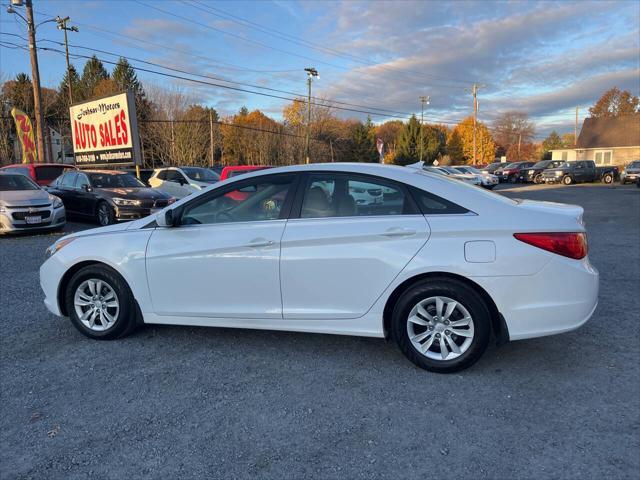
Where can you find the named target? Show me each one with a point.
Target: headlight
(57, 203)
(124, 202)
(531, 172)
(58, 246)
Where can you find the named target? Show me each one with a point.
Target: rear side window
(49, 172)
(21, 170)
(430, 204)
(343, 195)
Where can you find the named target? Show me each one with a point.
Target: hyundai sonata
(438, 265)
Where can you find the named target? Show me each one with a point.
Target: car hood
(134, 193)
(24, 197)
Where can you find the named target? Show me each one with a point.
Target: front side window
(162, 175)
(175, 176)
(82, 181)
(335, 195)
(259, 200)
(68, 180)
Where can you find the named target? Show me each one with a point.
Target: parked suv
(182, 181)
(41, 173)
(534, 174)
(631, 173)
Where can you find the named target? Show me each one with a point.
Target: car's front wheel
(441, 325)
(100, 303)
(104, 214)
(537, 179)
(567, 180)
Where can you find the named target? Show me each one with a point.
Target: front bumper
(559, 298)
(629, 177)
(18, 219)
(133, 213)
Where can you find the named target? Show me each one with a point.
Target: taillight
(572, 245)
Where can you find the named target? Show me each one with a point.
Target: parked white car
(180, 182)
(487, 180)
(453, 173)
(438, 265)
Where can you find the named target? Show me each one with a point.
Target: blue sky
(544, 58)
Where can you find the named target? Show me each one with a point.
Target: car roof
(35, 165)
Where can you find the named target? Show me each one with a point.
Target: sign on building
(105, 131)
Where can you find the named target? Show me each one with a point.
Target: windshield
(564, 165)
(512, 165)
(542, 164)
(201, 174)
(10, 183)
(635, 164)
(115, 180)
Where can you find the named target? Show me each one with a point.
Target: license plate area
(33, 219)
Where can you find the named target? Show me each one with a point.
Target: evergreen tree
(552, 142)
(364, 143)
(63, 89)
(93, 73)
(454, 148)
(407, 150)
(244, 111)
(125, 78)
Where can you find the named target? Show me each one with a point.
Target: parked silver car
(24, 205)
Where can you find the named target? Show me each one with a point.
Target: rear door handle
(399, 232)
(260, 242)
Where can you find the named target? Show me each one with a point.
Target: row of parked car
(552, 171)
(41, 196)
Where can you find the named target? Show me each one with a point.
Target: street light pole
(62, 25)
(311, 73)
(423, 99)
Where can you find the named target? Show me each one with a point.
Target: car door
(338, 256)
(85, 197)
(222, 259)
(65, 189)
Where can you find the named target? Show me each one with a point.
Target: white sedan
(438, 265)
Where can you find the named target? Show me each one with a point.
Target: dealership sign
(105, 131)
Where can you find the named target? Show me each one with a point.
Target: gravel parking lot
(180, 402)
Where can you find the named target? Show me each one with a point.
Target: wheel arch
(498, 324)
(68, 275)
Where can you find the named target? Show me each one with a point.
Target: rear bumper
(559, 298)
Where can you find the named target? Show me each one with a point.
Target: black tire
(512, 179)
(105, 214)
(455, 290)
(567, 180)
(607, 178)
(127, 317)
(537, 179)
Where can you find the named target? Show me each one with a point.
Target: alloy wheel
(103, 214)
(440, 328)
(96, 304)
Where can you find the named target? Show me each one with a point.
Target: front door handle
(260, 242)
(399, 232)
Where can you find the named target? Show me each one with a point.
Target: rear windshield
(49, 172)
(9, 183)
(201, 174)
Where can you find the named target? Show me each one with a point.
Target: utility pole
(62, 25)
(423, 99)
(35, 72)
(211, 135)
(311, 73)
(474, 92)
(519, 142)
(575, 130)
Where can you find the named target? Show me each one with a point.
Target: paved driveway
(179, 402)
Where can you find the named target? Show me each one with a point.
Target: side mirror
(165, 218)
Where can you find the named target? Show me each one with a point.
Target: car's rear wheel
(104, 214)
(607, 178)
(100, 303)
(441, 325)
(567, 180)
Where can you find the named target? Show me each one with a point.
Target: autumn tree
(615, 103)
(568, 140)
(485, 146)
(512, 128)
